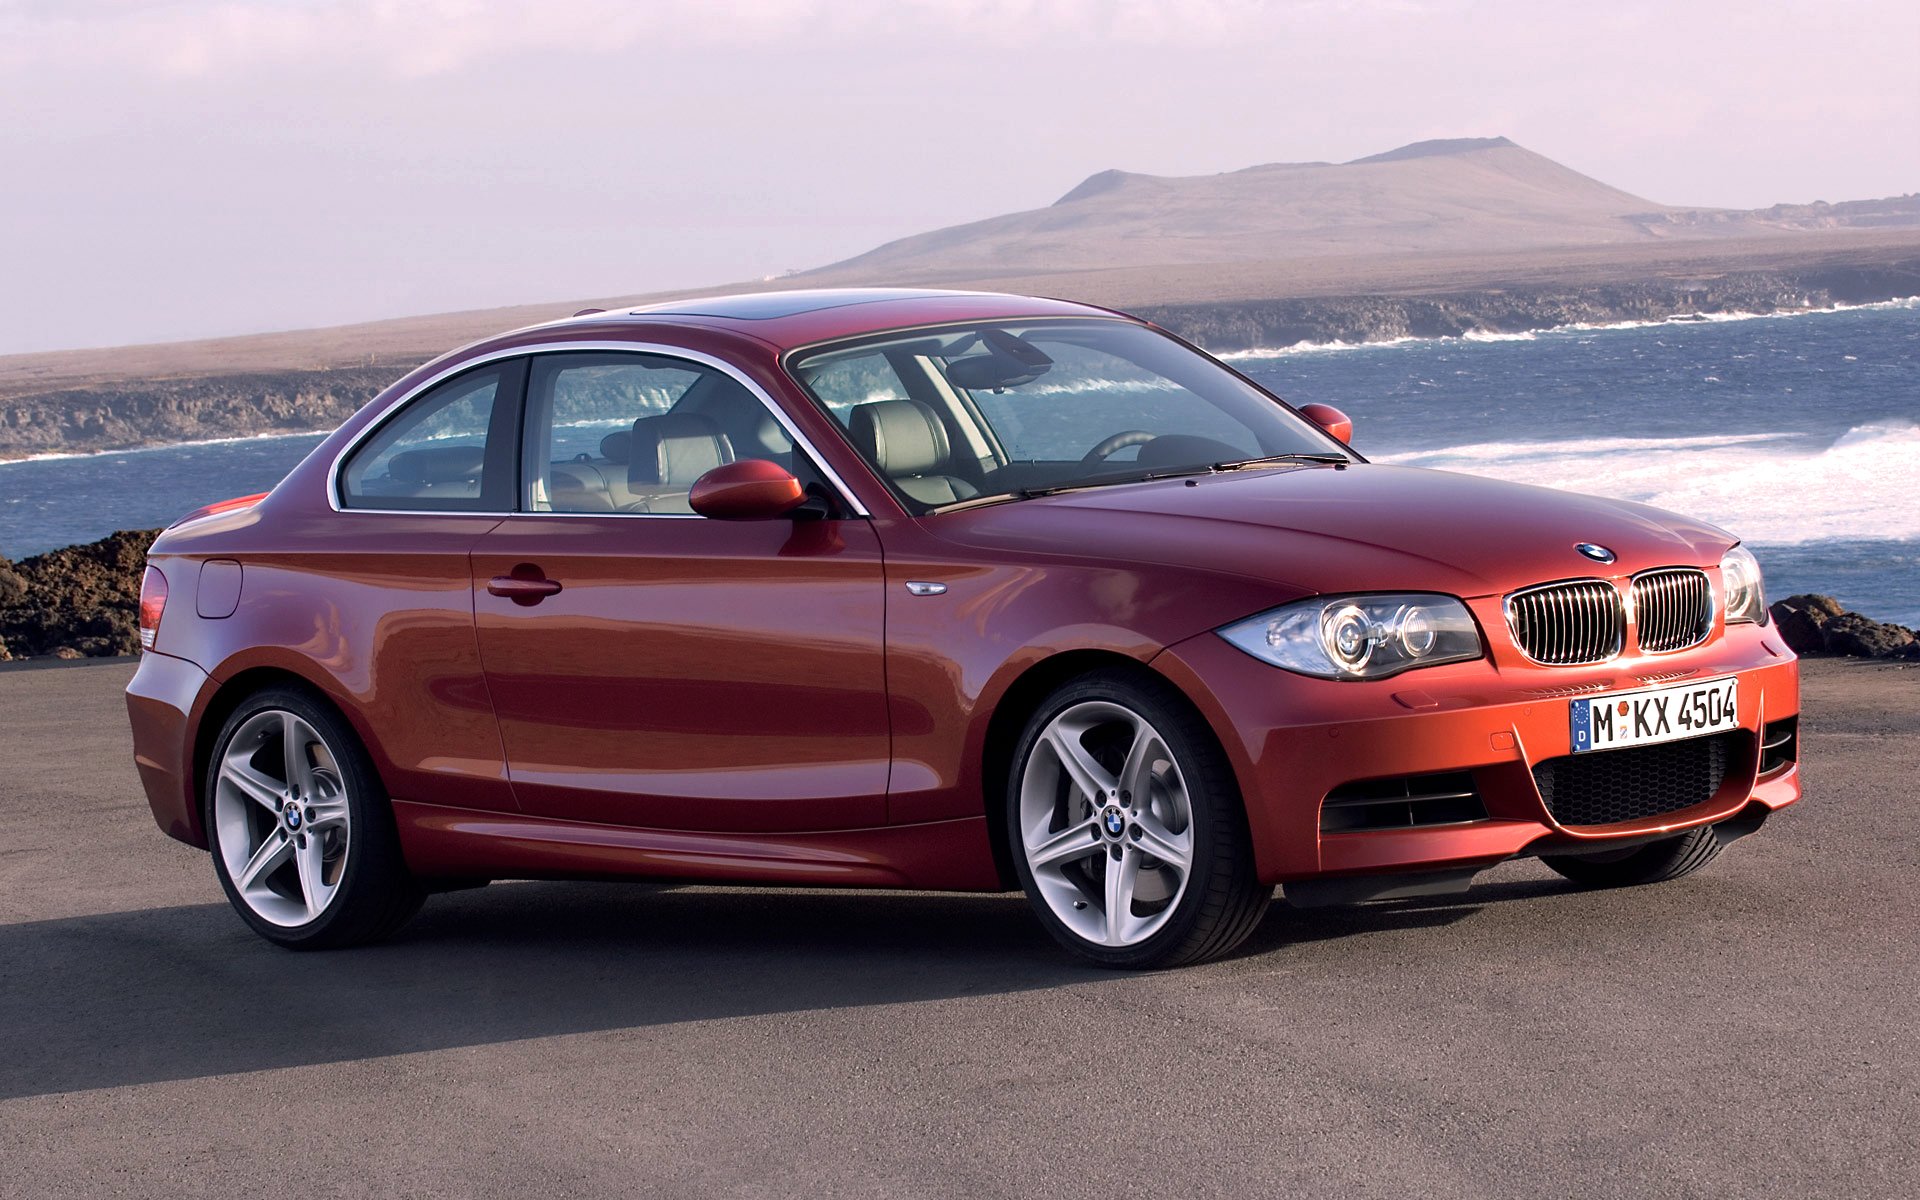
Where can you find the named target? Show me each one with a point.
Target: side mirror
(1331, 419)
(752, 489)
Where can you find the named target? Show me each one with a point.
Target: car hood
(1366, 527)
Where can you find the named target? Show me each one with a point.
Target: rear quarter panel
(375, 611)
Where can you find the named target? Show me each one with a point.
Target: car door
(655, 668)
(379, 591)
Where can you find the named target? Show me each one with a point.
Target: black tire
(1223, 899)
(1655, 862)
(375, 893)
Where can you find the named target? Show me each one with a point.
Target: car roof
(801, 317)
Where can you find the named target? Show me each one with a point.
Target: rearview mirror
(752, 489)
(1331, 419)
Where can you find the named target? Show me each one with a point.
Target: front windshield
(1010, 408)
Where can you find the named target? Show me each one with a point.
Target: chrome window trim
(335, 484)
(1713, 608)
(1620, 642)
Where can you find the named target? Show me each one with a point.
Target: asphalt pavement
(1748, 1031)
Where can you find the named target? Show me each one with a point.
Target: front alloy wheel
(1127, 829)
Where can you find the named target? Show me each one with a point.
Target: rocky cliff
(1276, 323)
(120, 415)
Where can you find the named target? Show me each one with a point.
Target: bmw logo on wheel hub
(1113, 821)
(293, 815)
(1599, 554)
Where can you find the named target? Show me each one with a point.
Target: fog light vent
(1402, 802)
(1779, 745)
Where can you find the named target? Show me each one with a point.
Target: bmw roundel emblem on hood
(1599, 554)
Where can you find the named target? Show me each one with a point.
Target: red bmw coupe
(931, 590)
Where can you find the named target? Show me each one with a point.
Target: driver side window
(614, 432)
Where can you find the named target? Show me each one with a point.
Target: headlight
(1360, 637)
(1740, 584)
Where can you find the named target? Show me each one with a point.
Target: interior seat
(436, 471)
(616, 449)
(578, 487)
(909, 444)
(666, 454)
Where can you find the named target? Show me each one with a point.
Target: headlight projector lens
(1360, 637)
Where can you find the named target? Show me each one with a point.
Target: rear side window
(444, 450)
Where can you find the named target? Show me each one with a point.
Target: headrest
(903, 437)
(438, 464)
(617, 446)
(675, 448)
(773, 439)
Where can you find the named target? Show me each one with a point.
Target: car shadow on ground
(176, 993)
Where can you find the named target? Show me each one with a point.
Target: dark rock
(1815, 625)
(1802, 621)
(80, 602)
(1856, 636)
(1826, 607)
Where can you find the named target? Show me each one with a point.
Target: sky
(184, 168)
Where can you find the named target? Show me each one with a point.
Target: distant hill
(1450, 196)
(1432, 239)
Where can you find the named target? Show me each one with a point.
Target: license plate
(1656, 714)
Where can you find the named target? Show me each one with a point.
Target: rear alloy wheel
(1127, 829)
(302, 838)
(1655, 862)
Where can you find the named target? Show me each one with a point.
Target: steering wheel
(1118, 442)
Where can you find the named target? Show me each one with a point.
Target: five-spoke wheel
(301, 836)
(1110, 848)
(1127, 829)
(280, 811)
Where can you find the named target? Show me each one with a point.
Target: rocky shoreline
(131, 415)
(84, 602)
(76, 602)
(121, 415)
(1275, 324)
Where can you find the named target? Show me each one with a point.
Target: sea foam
(1578, 327)
(1763, 487)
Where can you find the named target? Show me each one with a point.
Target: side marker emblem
(917, 588)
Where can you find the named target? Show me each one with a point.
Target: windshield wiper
(1107, 481)
(1338, 460)
(1030, 493)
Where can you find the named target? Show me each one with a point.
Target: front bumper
(1293, 740)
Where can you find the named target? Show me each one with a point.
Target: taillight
(153, 602)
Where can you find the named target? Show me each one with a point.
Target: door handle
(527, 585)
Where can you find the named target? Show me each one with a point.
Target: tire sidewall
(366, 813)
(1210, 790)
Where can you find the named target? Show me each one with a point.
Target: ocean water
(1800, 434)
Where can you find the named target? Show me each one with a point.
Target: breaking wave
(1477, 335)
(1776, 488)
